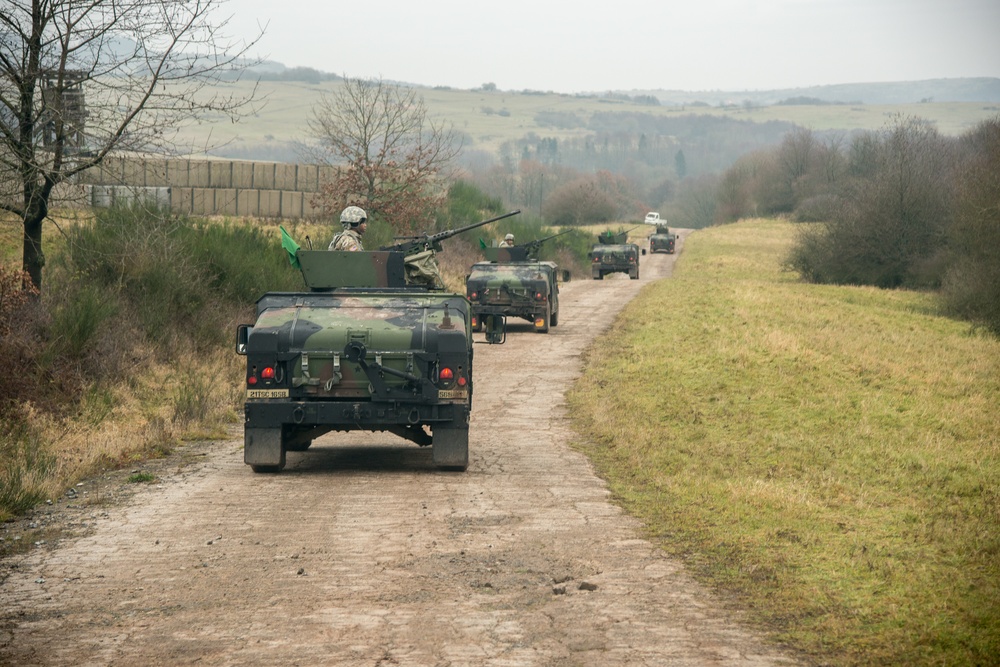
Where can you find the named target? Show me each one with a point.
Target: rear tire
(554, 320)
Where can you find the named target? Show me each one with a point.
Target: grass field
(490, 118)
(826, 457)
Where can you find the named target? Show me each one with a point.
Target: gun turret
(533, 246)
(411, 245)
(610, 238)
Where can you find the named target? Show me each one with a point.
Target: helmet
(353, 216)
(509, 237)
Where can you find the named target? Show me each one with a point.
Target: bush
(893, 223)
(972, 282)
(173, 273)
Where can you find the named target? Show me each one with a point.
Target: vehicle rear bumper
(352, 415)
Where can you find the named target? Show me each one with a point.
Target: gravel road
(362, 553)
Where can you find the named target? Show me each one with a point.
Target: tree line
(901, 207)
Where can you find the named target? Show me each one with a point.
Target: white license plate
(267, 393)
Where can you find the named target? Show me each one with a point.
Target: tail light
(539, 296)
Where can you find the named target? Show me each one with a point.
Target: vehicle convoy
(662, 239)
(375, 344)
(513, 282)
(614, 254)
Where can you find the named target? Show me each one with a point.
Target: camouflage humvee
(614, 254)
(512, 283)
(662, 239)
(367, 347)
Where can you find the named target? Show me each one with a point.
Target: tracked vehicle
(374, 344)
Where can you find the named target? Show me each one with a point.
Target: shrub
(972, 282)
(895, 213)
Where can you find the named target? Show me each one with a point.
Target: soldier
(508, 241)
(355, 222)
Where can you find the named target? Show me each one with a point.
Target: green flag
(482, 243)
(289, 244)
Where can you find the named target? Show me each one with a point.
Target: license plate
(267, 393)
(452, 393)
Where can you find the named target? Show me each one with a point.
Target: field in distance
(489, 118)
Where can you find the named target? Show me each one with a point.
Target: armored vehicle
(514, 283)
(614, 254)
(374, 344)
(662, 239)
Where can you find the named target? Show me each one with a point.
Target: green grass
(826, 455)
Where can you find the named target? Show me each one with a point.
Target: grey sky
(630, 44)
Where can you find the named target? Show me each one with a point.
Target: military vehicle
(375, 344)
(662, 239)
(614, 254)
(513, 282)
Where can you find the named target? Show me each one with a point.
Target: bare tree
(390, 154)
(79, 80)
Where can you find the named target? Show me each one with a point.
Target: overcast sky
(570, 47)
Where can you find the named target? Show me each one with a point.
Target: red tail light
(267, 373)
(252, 380)
(446, 374)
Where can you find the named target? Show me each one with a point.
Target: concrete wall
(209, 187)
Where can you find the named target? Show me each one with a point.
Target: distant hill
(972, 89)
(980, 89)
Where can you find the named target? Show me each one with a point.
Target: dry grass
(193, 397)
(829, 455)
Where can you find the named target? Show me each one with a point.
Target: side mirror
(565, 276)
(643, 251)
(242, 336)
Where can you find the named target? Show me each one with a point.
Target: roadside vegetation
(824, 455)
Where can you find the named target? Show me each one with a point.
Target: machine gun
(608, 238)
(531, 247)
(412, 245)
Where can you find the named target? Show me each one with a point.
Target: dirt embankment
(362, 553)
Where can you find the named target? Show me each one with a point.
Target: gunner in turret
(355, 222)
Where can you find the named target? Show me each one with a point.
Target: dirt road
(362, 553)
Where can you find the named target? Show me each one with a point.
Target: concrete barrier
(208, 187)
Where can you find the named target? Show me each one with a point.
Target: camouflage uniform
(349, 239)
